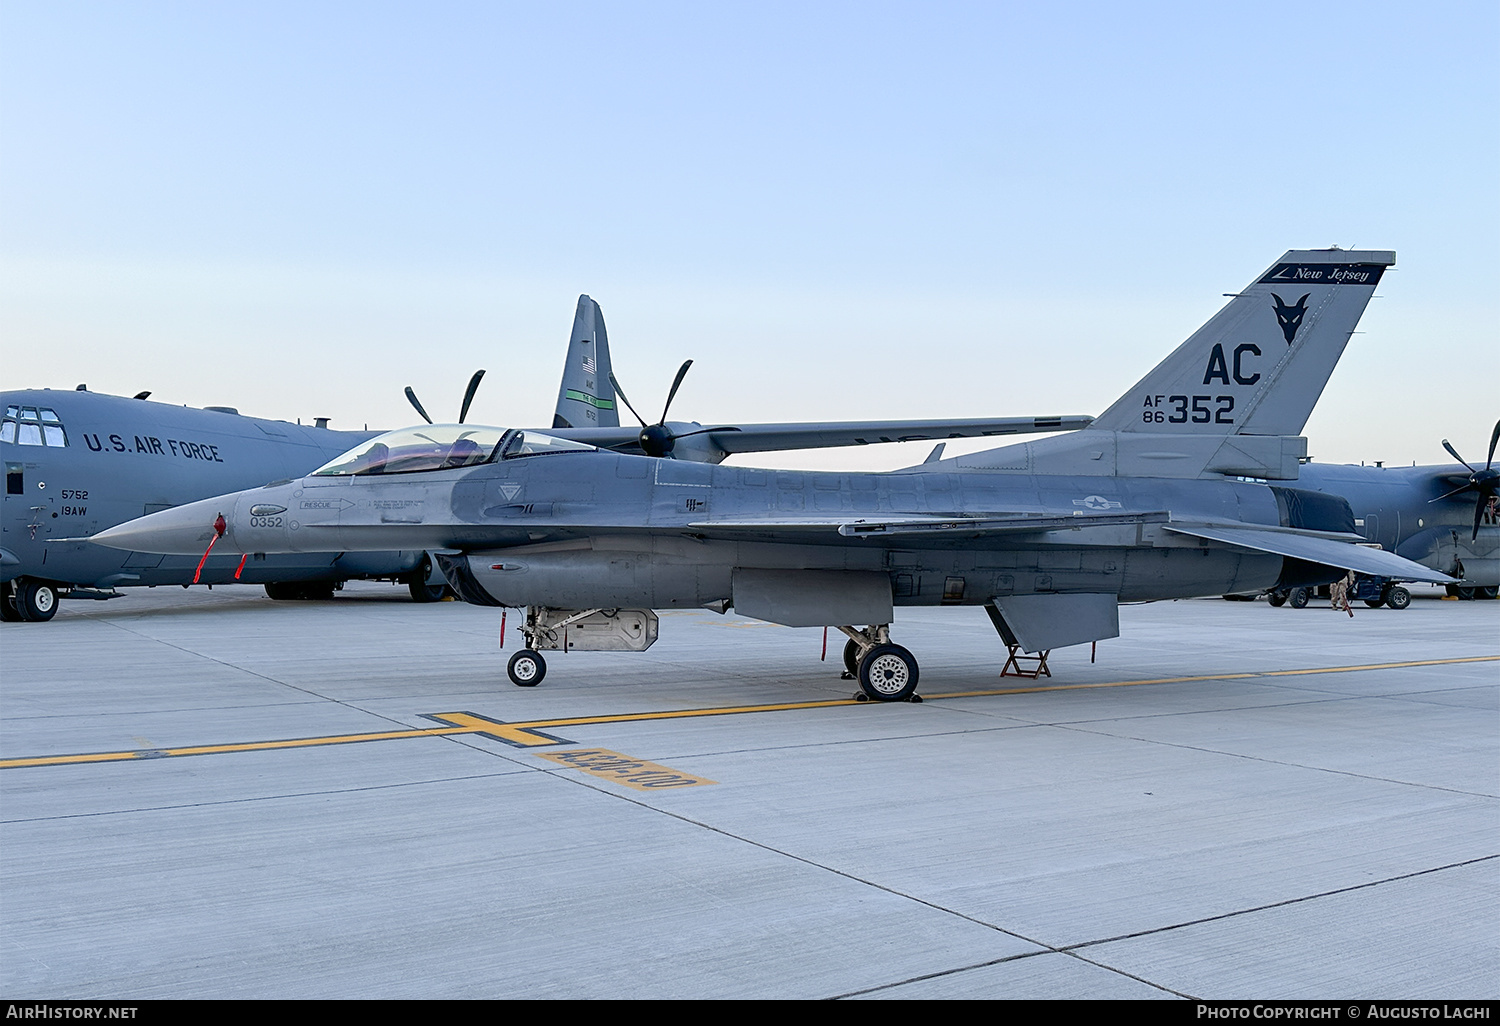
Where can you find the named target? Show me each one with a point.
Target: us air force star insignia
(510, 491)
(1097, 502)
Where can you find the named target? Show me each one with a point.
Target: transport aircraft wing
(714, 444)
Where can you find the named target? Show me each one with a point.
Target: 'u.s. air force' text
(153, 446)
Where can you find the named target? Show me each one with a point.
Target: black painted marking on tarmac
(535, 734)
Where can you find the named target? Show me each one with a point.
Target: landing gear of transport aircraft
(29, 600)
(526, 669)
(421, 591)
(1295, 597)
(417, 583)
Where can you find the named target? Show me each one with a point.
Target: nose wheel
(526, 668)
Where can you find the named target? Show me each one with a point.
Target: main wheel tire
(851, 657)
(1375, 603)
(1298, 598)
(317, 591)
(1398, 597)
(282, 592)
(422, 592)
(8, 612)
(1464, 594)
(526, 668)
(36, 601)
(888, 673)
(1489, 592)
(1276, 598)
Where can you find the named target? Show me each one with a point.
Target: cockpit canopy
(443, 447)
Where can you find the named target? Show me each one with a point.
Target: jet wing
(823, 435)
(1342, 554)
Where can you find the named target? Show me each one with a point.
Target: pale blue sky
(837, 210)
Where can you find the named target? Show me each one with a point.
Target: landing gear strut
(886, 672)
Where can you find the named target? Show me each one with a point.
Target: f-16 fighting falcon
(1185, 487)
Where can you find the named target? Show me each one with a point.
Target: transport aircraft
(79, 462)
(1443, 517)
(1185, 486)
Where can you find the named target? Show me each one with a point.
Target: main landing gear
(886, 672)
(28, 600)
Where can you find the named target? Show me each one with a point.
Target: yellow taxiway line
(532, 734)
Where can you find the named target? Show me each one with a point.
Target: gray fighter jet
(1184, 487)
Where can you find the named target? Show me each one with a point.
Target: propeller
(657, 439)
(463, 412)
(1486, 482)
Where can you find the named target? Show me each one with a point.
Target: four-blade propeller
(1486, 482)
(658, 439)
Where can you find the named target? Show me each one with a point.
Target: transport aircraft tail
(587, 398)
(1234, 397)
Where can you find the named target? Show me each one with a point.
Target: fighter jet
(1182, 488)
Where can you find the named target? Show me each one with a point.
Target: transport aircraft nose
(182, 530)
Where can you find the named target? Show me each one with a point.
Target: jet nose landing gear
(526, 669)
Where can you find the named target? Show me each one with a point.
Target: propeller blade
(412, 398)
(1494, 437)
(1454, 453)
(1478, 516)
(676, 384)
(621, 393)
(469, 395)
(1448, 495)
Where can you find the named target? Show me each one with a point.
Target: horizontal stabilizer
(1344, 555)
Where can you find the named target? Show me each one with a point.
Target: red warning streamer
(219, 528)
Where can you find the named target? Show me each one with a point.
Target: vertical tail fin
(586, 398)
(1260, 364)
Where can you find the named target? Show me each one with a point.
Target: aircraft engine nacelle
(585, 579)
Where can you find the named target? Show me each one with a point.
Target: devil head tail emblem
(1290, 317)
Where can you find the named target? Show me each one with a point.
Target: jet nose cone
(183, 530)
